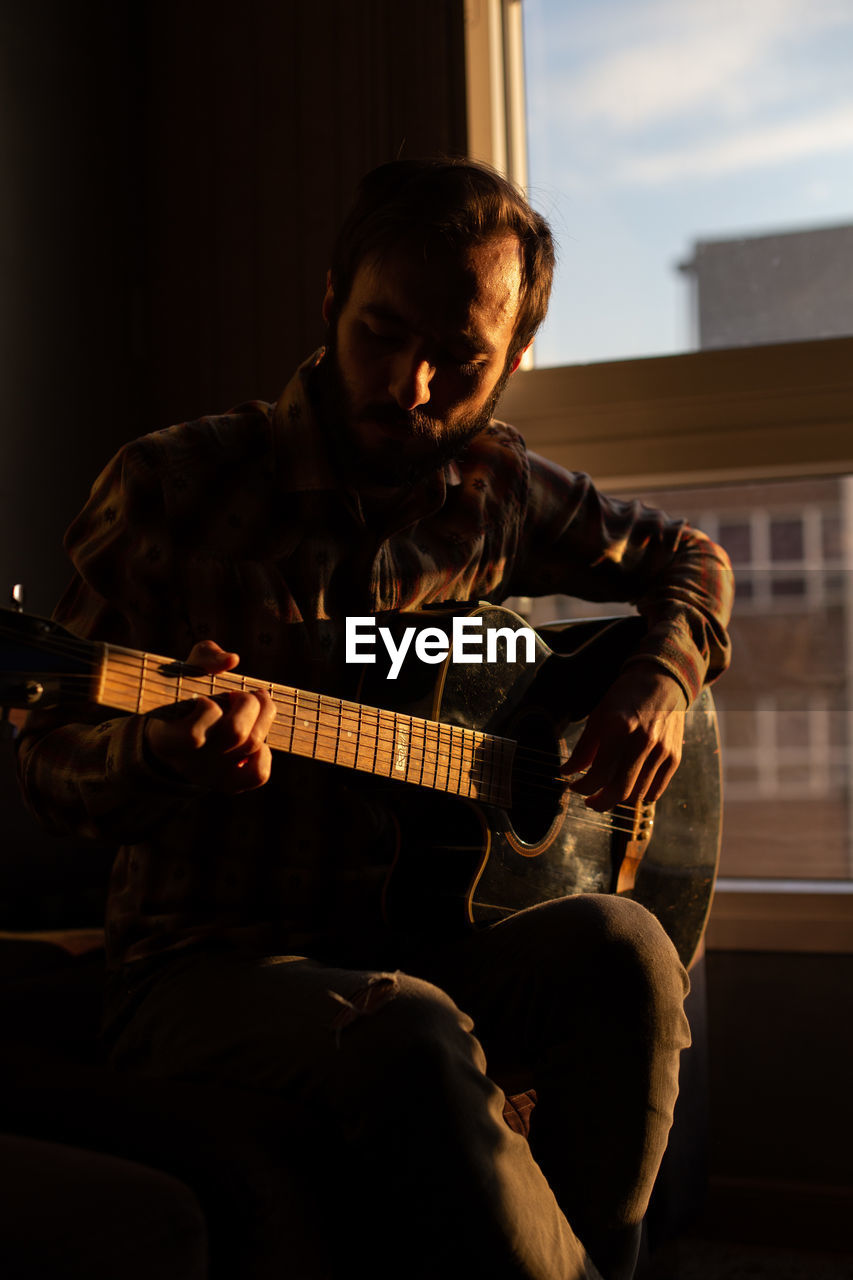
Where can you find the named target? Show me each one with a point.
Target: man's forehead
(473, 292)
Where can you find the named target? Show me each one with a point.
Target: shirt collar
(302, 457)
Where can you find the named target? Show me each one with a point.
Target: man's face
(417, 357)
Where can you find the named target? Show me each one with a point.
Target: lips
(400, 424)
(389, 419)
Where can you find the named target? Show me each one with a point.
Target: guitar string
(83, 648)
(443, 759)
(326, 725)
(523, 755)
(573, 803)
(386, 720)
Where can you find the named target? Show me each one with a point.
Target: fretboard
(427, 753)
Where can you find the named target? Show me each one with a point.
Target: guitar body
(461, 861)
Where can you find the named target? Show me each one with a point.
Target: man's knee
(644, 979)
(401, 1015)
(626, 928)
(626, 953)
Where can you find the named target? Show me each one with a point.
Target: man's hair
(445, 203)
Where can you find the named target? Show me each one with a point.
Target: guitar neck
(389, 744)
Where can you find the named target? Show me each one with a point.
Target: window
(755, 413)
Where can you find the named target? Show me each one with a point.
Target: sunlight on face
(420, 352)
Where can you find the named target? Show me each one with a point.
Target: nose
(409, 381)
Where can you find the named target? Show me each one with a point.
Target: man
(240, 949)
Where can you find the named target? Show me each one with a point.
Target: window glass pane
(786, 539)
(782, 587)
(786, 706)
(696, 162)
(737, 540)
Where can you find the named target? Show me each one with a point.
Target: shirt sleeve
(577, 541)
(85, 772)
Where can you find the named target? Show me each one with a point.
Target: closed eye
(469, 368)
(380, 334)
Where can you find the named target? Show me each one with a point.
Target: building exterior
(786, 287)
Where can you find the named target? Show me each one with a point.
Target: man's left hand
(630, 746)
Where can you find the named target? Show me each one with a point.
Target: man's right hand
(218, 743)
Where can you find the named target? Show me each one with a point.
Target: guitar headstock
(36, 655)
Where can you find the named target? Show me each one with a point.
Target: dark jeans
(405, 1165)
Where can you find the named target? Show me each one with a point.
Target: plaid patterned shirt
(237, 528)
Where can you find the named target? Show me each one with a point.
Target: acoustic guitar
(488, 825)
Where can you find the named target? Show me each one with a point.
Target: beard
(420, 444)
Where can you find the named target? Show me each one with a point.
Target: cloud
(780, 143)
(661, 60)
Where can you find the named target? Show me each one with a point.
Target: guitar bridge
(633, 847)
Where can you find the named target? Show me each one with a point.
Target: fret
(384, 744)
(141, 684)
(373, 715)
(360, 762)
(348, 735)
(445, 738)
(457, 742)
(313, 724)
(436, 736)
(416, 752)
(339, 706)
(459, 767)
(292, 724)
(466, 763)
(402, 747)
(432, 740)
(297, 737)
(315, 746)
(483, 790)
(305, 726)
(449, 745)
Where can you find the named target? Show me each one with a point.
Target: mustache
(413, 422)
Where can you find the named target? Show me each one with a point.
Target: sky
(653, 124)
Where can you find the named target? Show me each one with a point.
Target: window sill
(781, 915)
(753, 413)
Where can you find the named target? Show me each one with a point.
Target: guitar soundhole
(537, 789)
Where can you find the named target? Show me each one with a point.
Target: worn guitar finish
(545, 843)
(486, 826)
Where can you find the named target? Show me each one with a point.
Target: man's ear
(328, 299)
(519, 357)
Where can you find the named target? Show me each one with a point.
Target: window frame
(700, 417)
